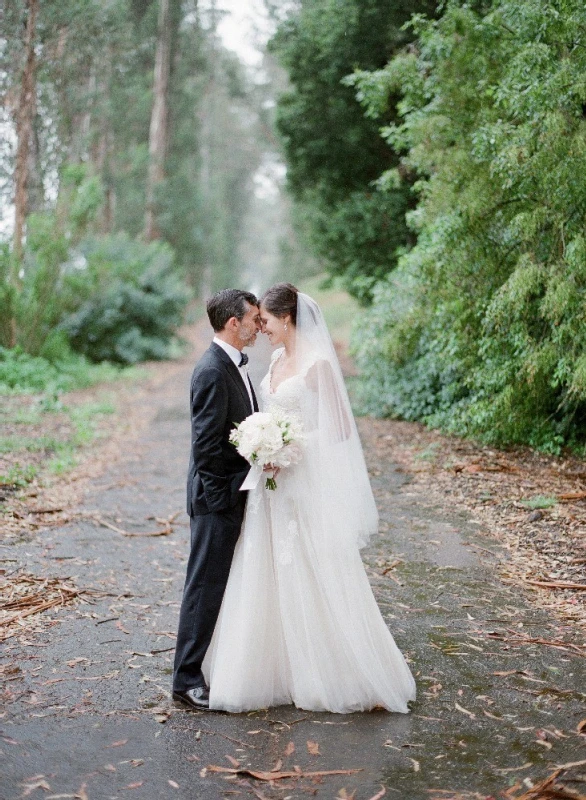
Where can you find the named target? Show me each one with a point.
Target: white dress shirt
(236, 355)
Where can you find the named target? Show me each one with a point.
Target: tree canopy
(482, 329)
(455, 202)
(334, 152)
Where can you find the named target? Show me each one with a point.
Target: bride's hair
(280, 300)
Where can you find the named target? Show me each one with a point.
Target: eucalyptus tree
(25, 113)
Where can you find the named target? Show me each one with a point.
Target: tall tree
(158, 132)
(334, 153)
(24, 126)
(138, 92)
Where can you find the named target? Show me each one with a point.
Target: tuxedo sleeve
(209, 409)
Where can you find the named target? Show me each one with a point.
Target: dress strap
(276, 355)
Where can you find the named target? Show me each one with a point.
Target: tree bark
(24, 127)
(158, 133)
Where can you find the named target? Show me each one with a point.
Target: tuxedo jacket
(218, 400)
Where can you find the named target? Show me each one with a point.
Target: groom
(221, 395)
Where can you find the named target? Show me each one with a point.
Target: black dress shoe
(198, 698)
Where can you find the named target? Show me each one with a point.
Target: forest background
(434, 168)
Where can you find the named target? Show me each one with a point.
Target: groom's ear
(232, 324)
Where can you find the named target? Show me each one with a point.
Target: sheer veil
(340, 483)
(299, 622)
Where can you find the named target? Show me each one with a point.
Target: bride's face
(274, 327)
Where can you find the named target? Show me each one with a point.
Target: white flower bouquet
(268, 438)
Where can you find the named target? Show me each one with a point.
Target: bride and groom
(277, 607)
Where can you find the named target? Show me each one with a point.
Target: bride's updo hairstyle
(280, 300)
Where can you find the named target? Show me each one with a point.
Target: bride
(299, 622)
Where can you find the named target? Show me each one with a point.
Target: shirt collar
(232, 351)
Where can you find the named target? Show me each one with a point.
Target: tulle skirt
(299, 622)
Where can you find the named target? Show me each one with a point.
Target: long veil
(340, 481)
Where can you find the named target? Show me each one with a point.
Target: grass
(82, 431)
(540, 501)
(45, 427)
(62, 463)
(21, 373)
(34, 444)
(429, 454)
(18, 475)
(44, 436)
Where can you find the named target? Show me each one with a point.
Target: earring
(285, 326)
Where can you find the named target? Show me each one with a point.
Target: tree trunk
(159, 118)
(102, 146)
(35, 187)
(24, 127)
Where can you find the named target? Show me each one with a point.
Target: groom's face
(249, 326)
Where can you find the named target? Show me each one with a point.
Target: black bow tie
(243, 360)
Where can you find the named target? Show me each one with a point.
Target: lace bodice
(288, 394)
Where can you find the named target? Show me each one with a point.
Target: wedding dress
(299, 622)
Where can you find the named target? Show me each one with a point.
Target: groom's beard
(248, 338)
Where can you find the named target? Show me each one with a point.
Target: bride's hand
(270, 468)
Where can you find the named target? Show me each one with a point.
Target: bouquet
(268, 438)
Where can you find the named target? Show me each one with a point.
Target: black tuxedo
(218, 399)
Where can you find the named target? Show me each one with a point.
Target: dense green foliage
(131, 301)
(108, 297)
(482, 328)
(334, 152)
(22, 373)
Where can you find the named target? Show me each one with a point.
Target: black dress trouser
(213, 539)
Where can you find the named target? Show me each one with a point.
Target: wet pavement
(89, 715)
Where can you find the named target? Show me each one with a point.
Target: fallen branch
(161, 532)
(105, 524)
(277, 776)
(517, 639)
(285, 724)
(572, 496)
(571, 764)
(47, 593)
(557, 584)
(58, 601)
(165, 531)
(549, 789)
(254, 791)
(229, 738)
(395, 563)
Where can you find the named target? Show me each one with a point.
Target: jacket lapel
(233, 372)
(254, 400)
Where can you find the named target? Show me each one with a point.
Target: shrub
(108, 297)
(21, 372)
(132, 301)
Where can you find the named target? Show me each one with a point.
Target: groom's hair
(228, 303)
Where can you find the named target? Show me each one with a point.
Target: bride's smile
(275, 328)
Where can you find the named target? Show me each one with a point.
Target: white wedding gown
(299, 622)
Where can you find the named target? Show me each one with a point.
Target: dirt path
(87, 709)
